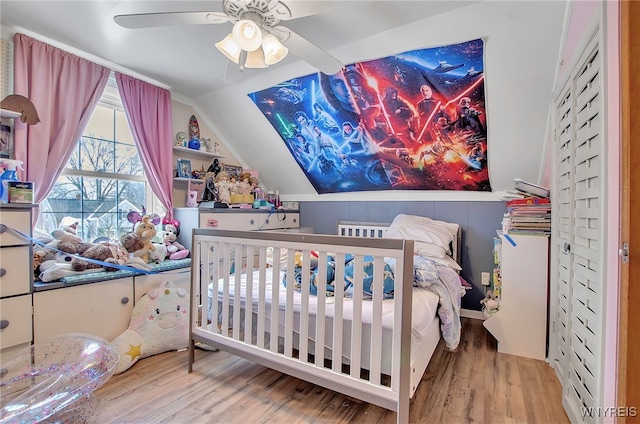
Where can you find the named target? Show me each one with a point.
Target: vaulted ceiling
(522, 48)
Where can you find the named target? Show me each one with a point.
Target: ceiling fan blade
(148, 20)
(294, 9)
(308, 51)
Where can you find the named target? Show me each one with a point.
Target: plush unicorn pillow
(159, 323)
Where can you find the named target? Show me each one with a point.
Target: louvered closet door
(579, 237)
(563, 208)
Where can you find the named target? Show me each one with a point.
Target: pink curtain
(148, 110)
(65, 90)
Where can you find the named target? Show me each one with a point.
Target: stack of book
(530, 214)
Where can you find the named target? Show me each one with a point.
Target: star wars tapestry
(415, 121)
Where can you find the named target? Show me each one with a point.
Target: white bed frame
(249, 338)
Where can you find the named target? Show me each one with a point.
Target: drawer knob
(3, 272)
(266, 221)
(251, 222)
(125, 300)
(4, 324)
(295, 220)
(3, 228)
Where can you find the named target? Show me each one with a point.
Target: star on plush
(134, 351)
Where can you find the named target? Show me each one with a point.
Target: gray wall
(478, 220)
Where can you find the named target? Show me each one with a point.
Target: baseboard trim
(469, 313)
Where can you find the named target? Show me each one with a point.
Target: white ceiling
(522, 45)
(184, 58)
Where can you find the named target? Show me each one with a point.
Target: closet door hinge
(624, 252)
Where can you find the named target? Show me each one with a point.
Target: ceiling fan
(255, 25)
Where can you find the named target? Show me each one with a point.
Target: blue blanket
(347, 284)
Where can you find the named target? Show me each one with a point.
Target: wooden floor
(473, 384)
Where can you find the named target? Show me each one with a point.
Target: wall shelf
(193, 180)
(195, 152)
(6, 113)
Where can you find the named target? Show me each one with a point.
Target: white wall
(522, 45)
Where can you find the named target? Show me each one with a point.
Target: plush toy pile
(66, 254)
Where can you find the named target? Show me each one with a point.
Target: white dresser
(233, 219)
(520, 326)
(16, 274)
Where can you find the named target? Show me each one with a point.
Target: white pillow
(429, 250)
(420, 228)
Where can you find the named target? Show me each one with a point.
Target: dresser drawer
(243, 221)
(15, 317)
(18, 220)
(15, 270)
(231, 221)
(281, 220)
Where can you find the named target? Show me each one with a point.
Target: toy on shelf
(490, 304)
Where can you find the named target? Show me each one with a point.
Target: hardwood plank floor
(474, 384)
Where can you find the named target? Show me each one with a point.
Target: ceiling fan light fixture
(247, 34)
(274, 51)
(255, 59)
(230, 48)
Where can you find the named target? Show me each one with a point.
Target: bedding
(429, 276)
(424, 307)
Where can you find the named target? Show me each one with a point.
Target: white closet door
(578, 236)
(563, 208)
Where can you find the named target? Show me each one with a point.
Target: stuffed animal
(158, 255)
(490, 304)
(107, 252)
(174, 249)
(159, 323)
(139, 243)
(64, 239)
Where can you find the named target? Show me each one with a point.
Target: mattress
(424, 307)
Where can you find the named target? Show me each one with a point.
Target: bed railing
(306, 338)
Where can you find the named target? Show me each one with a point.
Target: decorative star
(134, 351)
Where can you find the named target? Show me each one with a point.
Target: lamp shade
(274, 51)
(247, 34)
(229, 48)
(255, 59)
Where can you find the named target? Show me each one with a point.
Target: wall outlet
(486, 279)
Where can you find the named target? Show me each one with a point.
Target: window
(104, 179)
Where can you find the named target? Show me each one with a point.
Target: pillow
(159, 323)
(428, 250)
(423, 229)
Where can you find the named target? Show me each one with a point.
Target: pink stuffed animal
(174, 249)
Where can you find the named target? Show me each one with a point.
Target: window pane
(99, 192)
(101, 124)
(74, 159)
(132, 196)
(96, 155)
(123, 133)
(66, 194)
(128, 160)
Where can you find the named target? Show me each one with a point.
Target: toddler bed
(360, 315)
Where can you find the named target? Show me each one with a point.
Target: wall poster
(414, 121)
